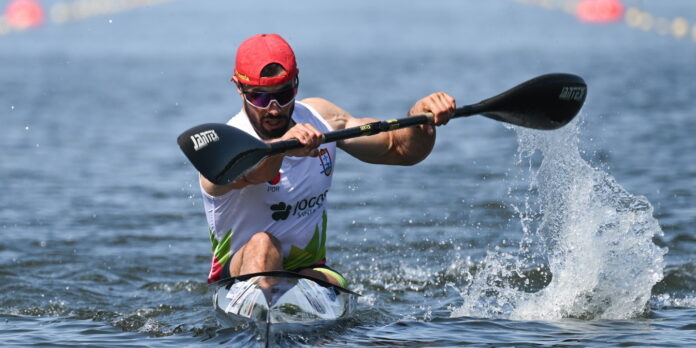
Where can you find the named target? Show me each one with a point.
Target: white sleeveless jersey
(292, 207)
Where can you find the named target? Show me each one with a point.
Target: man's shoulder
(330, 112)
(317, 103)
(237, 119)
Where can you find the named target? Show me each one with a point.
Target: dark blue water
(502, 237)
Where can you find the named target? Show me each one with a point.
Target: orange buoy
(600, 11)
(23, 14)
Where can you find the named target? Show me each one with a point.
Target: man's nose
(274, 108)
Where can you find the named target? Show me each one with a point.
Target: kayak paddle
(222, 153)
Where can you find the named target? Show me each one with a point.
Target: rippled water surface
(502, 237)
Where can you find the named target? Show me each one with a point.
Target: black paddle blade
(220, 152)
(545, 102)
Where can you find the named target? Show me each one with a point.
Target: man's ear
(236, 83)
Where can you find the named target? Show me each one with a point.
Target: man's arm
(406, 146)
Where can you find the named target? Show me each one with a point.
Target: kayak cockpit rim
(284, 274)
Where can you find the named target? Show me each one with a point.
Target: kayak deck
(285, 300)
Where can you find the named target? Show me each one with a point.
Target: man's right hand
(308, 136)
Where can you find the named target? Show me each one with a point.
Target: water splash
(592, 236)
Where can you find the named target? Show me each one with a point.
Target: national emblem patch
(326, 164)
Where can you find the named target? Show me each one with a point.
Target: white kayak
(281, 301)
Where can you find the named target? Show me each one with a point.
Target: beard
(258, 122)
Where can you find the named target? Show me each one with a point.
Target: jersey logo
(326, 164)
(273, 184)
(302, 208)
(281, 211)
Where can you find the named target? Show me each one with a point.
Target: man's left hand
(440, 104)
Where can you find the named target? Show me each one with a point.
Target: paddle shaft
(372, 128)
(222, 153)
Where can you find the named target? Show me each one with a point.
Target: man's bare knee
(263, 240)
(262, 252)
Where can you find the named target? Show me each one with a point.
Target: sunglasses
(263, 100)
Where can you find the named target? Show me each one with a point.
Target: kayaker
(274, 217)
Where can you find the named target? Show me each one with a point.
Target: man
(274, 216)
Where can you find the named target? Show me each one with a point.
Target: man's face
(274, 120)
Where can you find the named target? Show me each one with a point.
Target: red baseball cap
(260, 50)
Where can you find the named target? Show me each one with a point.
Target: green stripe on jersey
(221, 248)
(312, 253)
